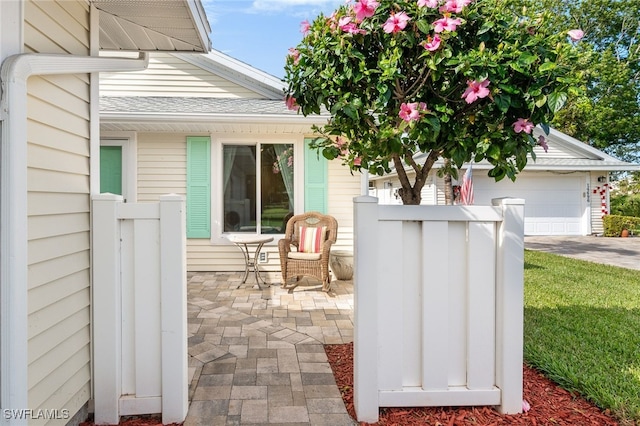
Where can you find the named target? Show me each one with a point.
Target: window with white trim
(258, 187)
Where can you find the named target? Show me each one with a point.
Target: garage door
(554, 204)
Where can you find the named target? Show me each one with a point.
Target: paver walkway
(257, 356)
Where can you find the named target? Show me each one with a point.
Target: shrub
(614, 224)
(625, 205)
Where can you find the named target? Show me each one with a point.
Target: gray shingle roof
(192, 105)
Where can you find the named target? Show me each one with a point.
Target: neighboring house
(49, 150)
(217, 130)
(566, 189)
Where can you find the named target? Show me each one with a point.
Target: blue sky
(260, 32)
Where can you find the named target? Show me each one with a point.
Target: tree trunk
(411, 194)
(448, 189)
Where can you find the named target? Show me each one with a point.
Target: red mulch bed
(150, 420)
(550, 404)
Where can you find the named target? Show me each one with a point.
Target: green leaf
(545, 128)
(493, 152)
(527, 58)
(423, 26)
(547, 66)
(556, 101)
(503, 101)
(497, 173)
(521, 158)
(486, 26)
(541, 100)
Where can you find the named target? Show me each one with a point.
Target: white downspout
(14, 74)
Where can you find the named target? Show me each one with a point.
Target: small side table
(251, 262)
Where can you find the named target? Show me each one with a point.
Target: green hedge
(614, 224)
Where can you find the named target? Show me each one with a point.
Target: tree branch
(401, 172)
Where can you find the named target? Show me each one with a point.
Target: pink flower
(357, 161)
(365, 9)
(290, 101)
(523, 125)
(396, 22)
(476, 90)
(304, 27)
(295, 54)
(411, 112)
(432, 44)
(525, 406)
(543, 143)
(446, 24)
(575, 35)
(454, 6)
(428, 3)
(347, 26)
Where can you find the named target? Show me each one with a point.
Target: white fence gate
(139, 309)
(438, 293)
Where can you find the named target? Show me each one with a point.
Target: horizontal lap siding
(59, 355)
(162, 165)
(162, 170)
(595, 203)
(343, 187)
(168, 75)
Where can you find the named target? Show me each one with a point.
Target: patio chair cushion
(311, 239)
(303, 256)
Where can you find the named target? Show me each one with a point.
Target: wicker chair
(295, 263)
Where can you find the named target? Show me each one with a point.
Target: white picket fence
(139, 309)
(438, 294)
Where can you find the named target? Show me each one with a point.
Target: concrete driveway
(622, 252)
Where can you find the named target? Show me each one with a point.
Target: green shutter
(198, 187)
(315, 180)
(111, 169)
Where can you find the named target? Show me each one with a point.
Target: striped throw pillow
(311, 239)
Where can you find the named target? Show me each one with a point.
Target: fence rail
(438, 305)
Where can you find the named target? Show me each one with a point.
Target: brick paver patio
(257, 356)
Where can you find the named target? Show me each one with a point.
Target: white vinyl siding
(595, 202)
(162, 169)
(342, 188)
(162, 165)
(59, 356)
(168, 75)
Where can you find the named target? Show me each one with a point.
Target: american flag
(466, 190)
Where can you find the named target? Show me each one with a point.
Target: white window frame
(129, 143)
(218, 236)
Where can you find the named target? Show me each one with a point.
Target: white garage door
(554, 204)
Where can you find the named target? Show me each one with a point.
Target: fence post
(106, 308)
(173, 291)
(365, 298)
(510, 304)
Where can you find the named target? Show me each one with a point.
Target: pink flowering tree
(459, 80)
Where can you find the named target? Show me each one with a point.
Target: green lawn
(582, 329)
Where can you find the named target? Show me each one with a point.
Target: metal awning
(152, 25)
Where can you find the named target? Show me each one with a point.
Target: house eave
(172, 25)
(211, 117)
(209, 123)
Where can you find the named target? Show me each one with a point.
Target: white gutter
(14, 74)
